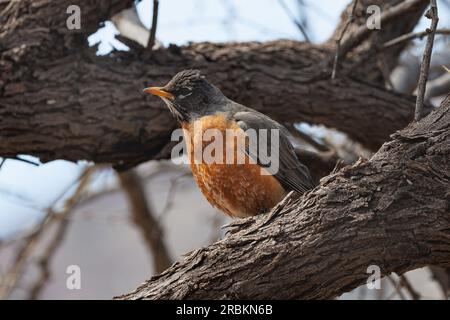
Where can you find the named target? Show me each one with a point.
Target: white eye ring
(181, 97)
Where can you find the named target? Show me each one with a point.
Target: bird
(238, 189)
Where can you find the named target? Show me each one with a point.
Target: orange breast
(239, 190)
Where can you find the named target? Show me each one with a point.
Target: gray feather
(292, 174)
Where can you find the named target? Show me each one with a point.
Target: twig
(144, 220)
(15, 272)
(438, 86)
(370, 52)
(55, 243)
(172, 188)
(383, 66)
(337, 55)
(44, 260)
(360, 34)
(294, 20)
(432, 14)
(442, 277)
(151, 39)
(412, 35)
(26, 161)
(409, 288)
(18, 159)
(397, 288)
(308, 139)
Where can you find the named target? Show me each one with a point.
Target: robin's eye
(183, 93)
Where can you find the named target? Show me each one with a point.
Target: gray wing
(291, 173)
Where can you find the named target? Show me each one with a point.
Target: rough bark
(392, 211)
(60, 101)
(413, 11)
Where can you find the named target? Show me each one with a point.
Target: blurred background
(60, 214)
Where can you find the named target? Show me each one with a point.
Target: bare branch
(144, 220)
(388, 15)
(412, 35)
(409, 288)
(432, 14)
(131, 27)
(14, 274)
(309, 140)
(151, 39)
(442, 277)
(294, 20)
(338, 53)
(45, 259)
(397, 287)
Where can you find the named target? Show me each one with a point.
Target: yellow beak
(158, 91)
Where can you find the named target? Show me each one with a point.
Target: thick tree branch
(73, 105)
(391, 211)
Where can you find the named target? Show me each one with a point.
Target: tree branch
(410, 36)
(432, 14)
(144, 220)
(14, 274)
(362, 32)
(121, 126)
(338, 53)
(391, 211)
(152, 37)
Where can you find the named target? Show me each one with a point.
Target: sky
(26, 190)
(181, 21)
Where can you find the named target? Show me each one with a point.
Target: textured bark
(60, 101)
(392, 211)
(406, 21)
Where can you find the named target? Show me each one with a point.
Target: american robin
(238, 189)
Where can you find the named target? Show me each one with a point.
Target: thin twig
(18, 159)
(410, 36)
(409, 288)
(361, 33)
(370, 52)
(44, 260)
(383, 66)
(172, 188)
(308, 139)
(58, 238)
(432, 14)
(152, 37)
(442, 277)
(14, 274)
(397, 288)
(337, 55)
(144, 220)
(294, 20)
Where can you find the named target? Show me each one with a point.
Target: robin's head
(188, 95)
